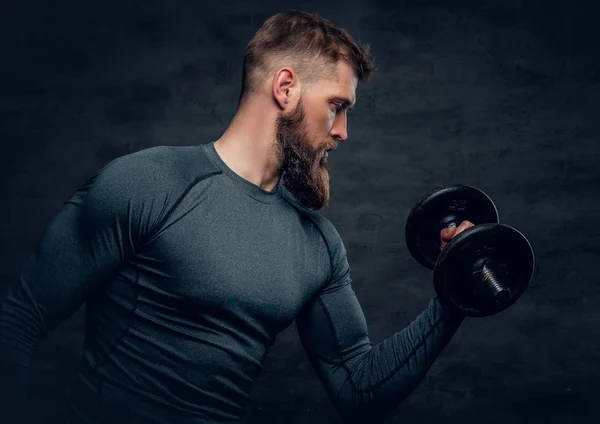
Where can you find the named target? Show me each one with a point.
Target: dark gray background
(502, 95)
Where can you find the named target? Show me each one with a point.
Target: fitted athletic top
(188, 272)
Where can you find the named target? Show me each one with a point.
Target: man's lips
(326, 154)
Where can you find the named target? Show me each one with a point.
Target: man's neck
(247, 147)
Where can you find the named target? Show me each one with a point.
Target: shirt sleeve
(96, 230)
(365, 382)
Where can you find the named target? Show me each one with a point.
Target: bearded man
(191, 259)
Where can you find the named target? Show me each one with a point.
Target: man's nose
(340, 130)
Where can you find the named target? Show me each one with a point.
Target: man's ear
(286, 88)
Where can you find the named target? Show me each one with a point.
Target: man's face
(316, 125)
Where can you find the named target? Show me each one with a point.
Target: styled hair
(305, 41)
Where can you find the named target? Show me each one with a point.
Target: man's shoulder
(177, 161)
(161, 165)
(158, 172)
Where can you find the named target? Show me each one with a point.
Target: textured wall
(503, 95)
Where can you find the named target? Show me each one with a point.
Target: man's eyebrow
(345, 101)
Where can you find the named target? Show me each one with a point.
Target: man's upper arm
(332, 326)
(96, 230)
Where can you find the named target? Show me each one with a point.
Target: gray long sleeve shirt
(188, 272)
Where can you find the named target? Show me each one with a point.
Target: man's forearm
(380, 379)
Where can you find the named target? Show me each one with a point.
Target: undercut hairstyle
(308, 43)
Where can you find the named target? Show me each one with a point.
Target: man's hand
(448, 234)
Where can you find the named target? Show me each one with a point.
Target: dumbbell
(481, 271)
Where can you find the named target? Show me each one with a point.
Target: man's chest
(258, 268)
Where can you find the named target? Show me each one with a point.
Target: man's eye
(337, 106)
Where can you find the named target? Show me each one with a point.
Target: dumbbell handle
(489, 280)
(491, 283)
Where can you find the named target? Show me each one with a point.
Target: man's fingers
(462, 227)
(448, 234)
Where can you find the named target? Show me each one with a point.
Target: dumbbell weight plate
(439, 208)
(457, 276)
